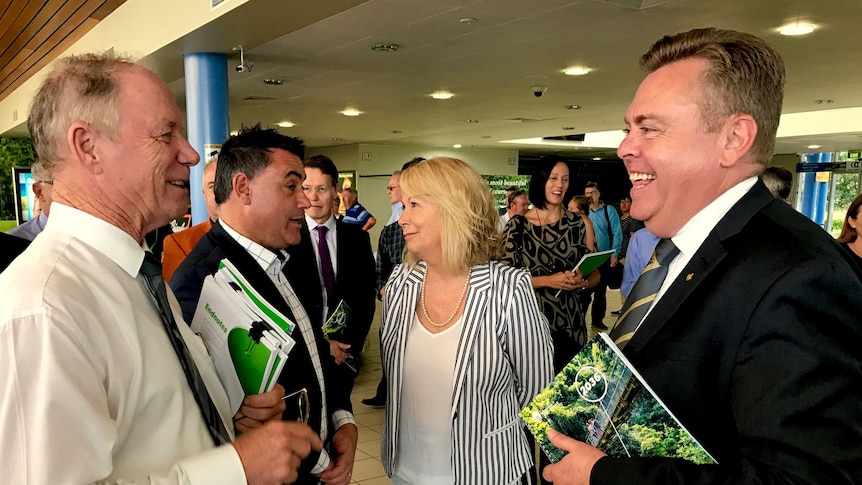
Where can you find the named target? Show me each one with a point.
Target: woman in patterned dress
(548, 241)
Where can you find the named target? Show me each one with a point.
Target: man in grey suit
(750, 337)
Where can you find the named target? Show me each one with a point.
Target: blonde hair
(468, 211)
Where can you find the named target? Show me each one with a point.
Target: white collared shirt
(695, 231)
(397, 210)
(92, 388)
(331, 227)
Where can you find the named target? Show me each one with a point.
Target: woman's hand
(566, 280)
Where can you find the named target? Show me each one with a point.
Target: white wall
(373, 175)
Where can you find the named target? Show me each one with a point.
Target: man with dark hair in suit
(746, 321)
(340, 254)
(258, 188)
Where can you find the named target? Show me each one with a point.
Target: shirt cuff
(342, 417)
(215, 466)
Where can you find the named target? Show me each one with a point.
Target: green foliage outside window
(14, 152)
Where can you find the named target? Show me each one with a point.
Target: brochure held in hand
(600, 399)
(247, 338)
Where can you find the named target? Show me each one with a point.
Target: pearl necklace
(448, 320)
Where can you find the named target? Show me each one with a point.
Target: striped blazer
(504, 358)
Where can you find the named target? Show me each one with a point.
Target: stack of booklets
(600, 399)
(247, 338)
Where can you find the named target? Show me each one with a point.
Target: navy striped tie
(152, 271)
(642, 295)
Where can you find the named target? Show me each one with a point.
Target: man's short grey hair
(39, 172)
(80, 88)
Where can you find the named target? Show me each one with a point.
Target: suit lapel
(475, 312)
(705, 260)
(252, 271)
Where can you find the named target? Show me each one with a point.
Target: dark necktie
(152, 271)
(326, 265)
(644, 292)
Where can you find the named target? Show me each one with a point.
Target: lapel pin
(689, 276)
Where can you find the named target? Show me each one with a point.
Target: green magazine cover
(600, 399)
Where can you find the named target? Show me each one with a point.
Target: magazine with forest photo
(600, 399)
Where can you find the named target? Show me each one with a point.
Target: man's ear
(241, 188)
(37, 189)
(739, 134)
(81, 139)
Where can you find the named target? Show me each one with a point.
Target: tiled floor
(367, 469)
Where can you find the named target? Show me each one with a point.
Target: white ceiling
(324, 56)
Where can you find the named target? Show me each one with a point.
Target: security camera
(243, 65)
(538, 91)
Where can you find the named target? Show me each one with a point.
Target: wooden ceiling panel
(36, 32)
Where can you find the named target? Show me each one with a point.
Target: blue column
(814, 194)
(206, 114)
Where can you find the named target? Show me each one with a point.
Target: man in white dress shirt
(93, 388)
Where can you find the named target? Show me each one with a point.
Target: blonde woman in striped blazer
(464, 344)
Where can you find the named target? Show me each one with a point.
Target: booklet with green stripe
(248, 339)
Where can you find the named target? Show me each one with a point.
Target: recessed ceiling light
(273, 82)
(396, 132)
(472, 121)
(351, 112)
(576, 71)
(824, 101)
(597, 158)
(286, 124)
(335, 138)
(385, 47)
(457, 145)
(568, 128)
(468, 21)
(813, 147)
(796, 28)
(573, 106)
(234, 133)
(441, 95)
(486, 136)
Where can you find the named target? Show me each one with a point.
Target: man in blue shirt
(606, 224)
(356, 214)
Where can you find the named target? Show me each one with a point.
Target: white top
(92, 389)
(424, 454)
(397, 210)
(504, 219)
(695, 231)
(331, 227)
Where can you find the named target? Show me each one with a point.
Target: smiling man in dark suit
(340, 255)
(750, 334)
(258, 188)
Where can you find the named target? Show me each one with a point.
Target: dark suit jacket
(298, 372)
(10, 248)
(756, 349)
(354, 281)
